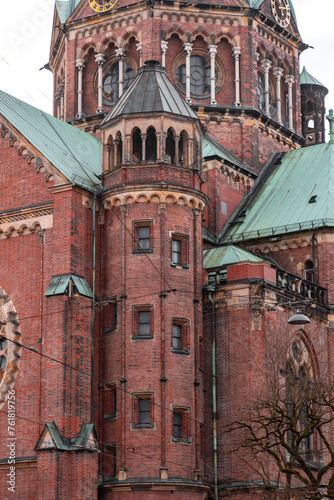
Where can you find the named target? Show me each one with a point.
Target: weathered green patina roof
(151, 92)
(212, 148)
(225, 255)
(62, 8)
(50, 438)
(307, 79)
(282, 200)
(76, 154)
(65, 8)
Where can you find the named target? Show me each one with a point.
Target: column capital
(236, 51)
(100, 58)
(164, 46)
(289, 80)
(120, 53)
(265, 64)
(212, 50)
(278, 73)
(188, 47)
(139, 46)
(80, 64)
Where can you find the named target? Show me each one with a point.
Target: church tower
(152, 349)
(236, 65)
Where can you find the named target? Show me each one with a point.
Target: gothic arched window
(299, 377)
(170, 147)
(137, 146)
(151, 145)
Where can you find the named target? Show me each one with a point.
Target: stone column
(188, 50)
(57, 97)
(163, 53)
(290, 79)
(99, 58)
(236, 54)
(265, 63)
(176, 157)
(139, 46)
(278, 73)
(80, 64)
(143, 146)
(120, 55)
(61, 93)
(212, 53)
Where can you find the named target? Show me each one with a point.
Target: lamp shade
(299, 319)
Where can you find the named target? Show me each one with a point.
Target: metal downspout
(214, 400)
(313, 258)
(93, 315)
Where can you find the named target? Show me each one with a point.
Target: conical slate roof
(151, 92)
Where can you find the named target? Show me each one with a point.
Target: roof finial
(330, 118)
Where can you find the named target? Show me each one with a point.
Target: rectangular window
(177, 425)
(109, 469)
(142, 322)
(144, 242)
(181, 424)
(177, 337)
(176, 252)
(142, 411)
(180, 334)
(180, 251)
(110, 316)
(110, 406)
(142, 237)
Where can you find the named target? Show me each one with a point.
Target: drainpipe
(93, 315)
(214, 399)
(313, 257)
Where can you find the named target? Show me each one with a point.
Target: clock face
(101, 5)
(281, 11)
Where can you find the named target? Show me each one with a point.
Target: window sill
(142, 426)
(142, 337)
(180, 266)
(149, 250)
(180, 351)
(110, 417)
(181, 440)
(110, 329)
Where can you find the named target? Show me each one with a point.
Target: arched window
(109, 160)
(170, 147)
(119, 149)
(299, 377)
(183, 148)
(111, 80)
(151, 145)
(137, 146)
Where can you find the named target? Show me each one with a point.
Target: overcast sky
(25, 33)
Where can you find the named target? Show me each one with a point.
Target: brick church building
(156, 235)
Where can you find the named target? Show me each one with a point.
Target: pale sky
(25, 34)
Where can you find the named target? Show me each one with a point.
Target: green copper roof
(62, 8)
(294, 192)
(307, 79)
(151, 92)
(225, 255)
(212, 148)
(76, 154)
